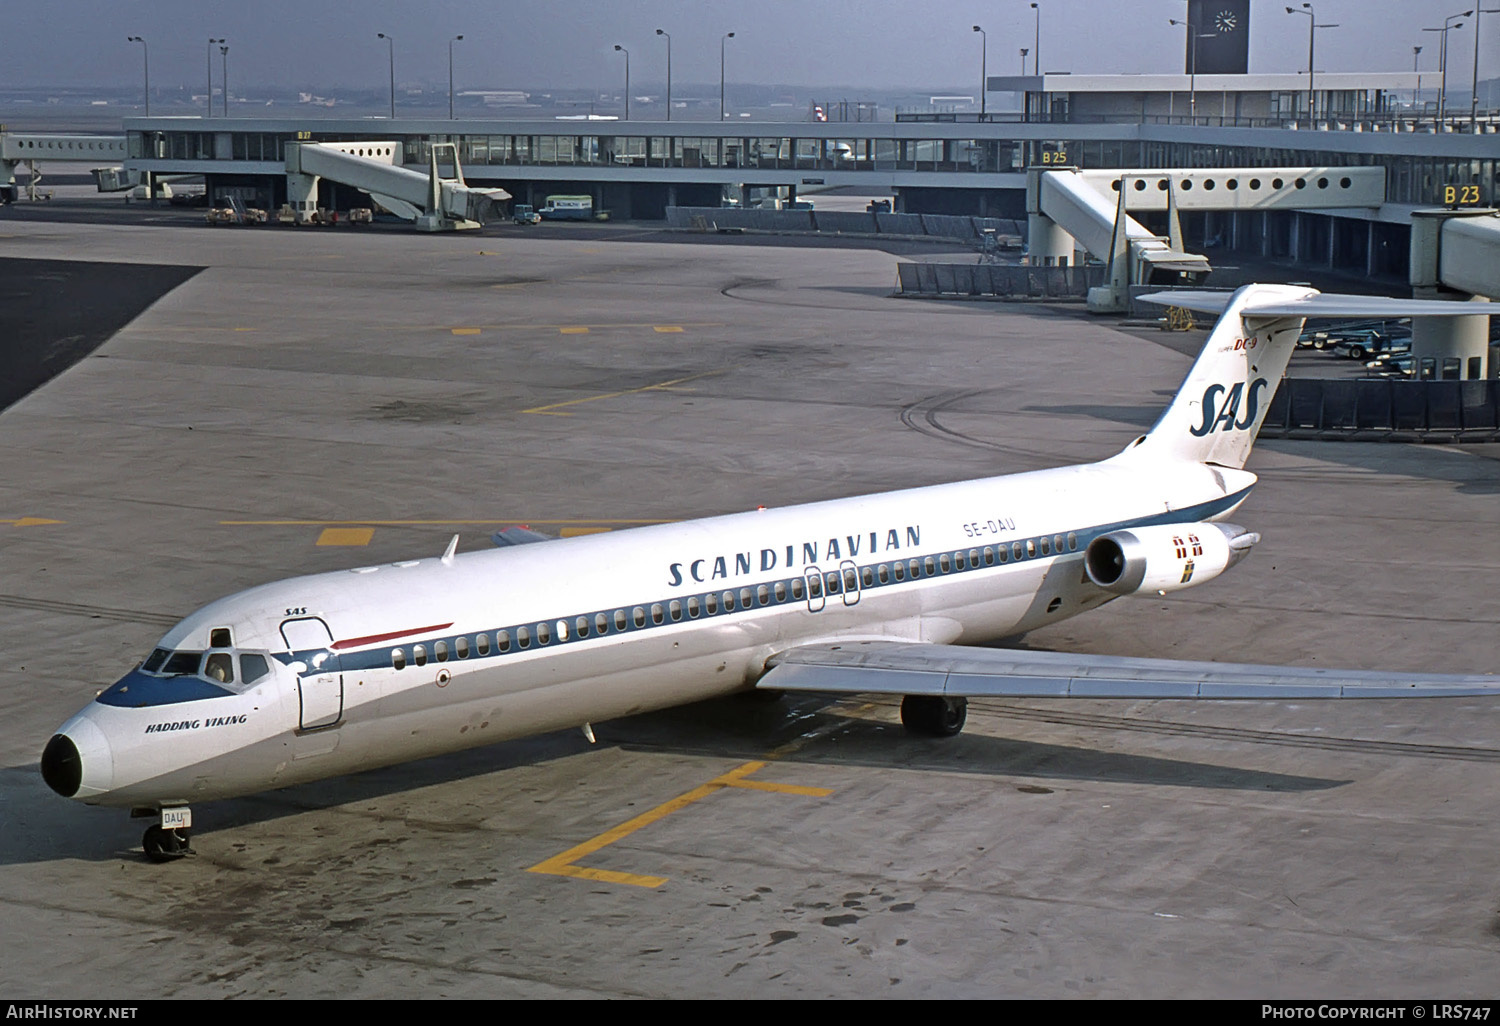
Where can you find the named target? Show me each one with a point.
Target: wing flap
(903, 668)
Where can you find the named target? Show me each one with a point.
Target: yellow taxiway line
(563, 864)
(551, 409)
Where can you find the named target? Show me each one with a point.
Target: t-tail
(1220, 406)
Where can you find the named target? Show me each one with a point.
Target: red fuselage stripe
(375, 639)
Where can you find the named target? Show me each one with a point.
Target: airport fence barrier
(997, 280)
(1377, 409)
(937, 226)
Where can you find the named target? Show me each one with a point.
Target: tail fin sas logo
(1225, 415)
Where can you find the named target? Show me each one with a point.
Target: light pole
(1416, 53)
(391, 46)
(627, 79)
(669, 71)
(224, 75)
(1474, 86)
(1193, 38)
(146, 60)
(450, 75)
(208, 62)
(727, 36)
(1036, 53)
(1312, 36)
(1024, 52)
(984, 55)
(1443, 61)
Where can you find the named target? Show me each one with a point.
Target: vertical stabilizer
(1224, 398)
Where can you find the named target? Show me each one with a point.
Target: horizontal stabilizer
(901, 668)
(1319, 304)
(517, 536)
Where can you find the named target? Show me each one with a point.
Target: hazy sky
(876, 43)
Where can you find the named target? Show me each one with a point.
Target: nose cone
(62, 766)
(77, 762)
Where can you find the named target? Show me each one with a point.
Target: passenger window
(728, 601)
(219, 666)
(1072, 541)
(883, 572)
(581, 626)
(620, 622)
(482, 642)
(694, 607)
(945, 563)
(1046, 547)
(867, 576)
(779, 590)
(930, 566)
(797, 591)
(398, 661)
(543, 633)
(253, 668)
(815, 586)
(502, 640)
(831, 582)
(746, 597)
(219, 637)
(562, 630)
(601, 623)
(913, 569)
(989, 555)
(1030, 547)
(1016, 550)
(851, 580)
(440, 651)
(899, 569)
(638, 615)
(711, 603)
(461, 648)
(958, 561)
(419, 655)
(523, 637)
(674, 610)
(656, 613)
(1004, 554)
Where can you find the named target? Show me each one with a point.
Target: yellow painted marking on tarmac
(563, 864)
(346, 536)
(666, 329)
(552, 409)
(575, 329)
(465, 331)
(244, 329)
(533, 521)
(574, 532)
(31, 522)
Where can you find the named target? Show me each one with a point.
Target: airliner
(335, 673)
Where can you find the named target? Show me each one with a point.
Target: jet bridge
(433, 202)
(1069, 209)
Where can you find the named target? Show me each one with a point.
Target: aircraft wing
(954, 671)
(1325, 304)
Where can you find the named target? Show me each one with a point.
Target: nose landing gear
(162, 845)
(167, 839)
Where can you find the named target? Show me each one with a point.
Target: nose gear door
(320, 686)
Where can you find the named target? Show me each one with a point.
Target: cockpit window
(253, 667)
(181, 663)
(154, 660)
(219, 666)
(219, 637)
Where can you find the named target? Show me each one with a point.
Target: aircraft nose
(77, 759)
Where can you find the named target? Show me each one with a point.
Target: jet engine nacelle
(1166, 557)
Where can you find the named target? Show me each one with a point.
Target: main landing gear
(167, 839)
(933, 715)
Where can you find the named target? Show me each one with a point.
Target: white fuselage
(435, 655)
